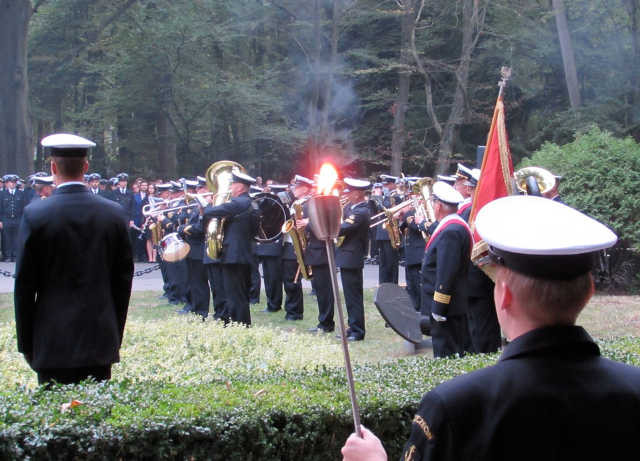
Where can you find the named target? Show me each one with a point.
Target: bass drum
(272, 215)
(172, 248)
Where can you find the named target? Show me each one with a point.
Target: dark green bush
(601, 177)
(287, 416)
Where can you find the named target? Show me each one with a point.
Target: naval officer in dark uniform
(484, 330)
(12, 203)
(551, 395)
(240, 228)
(351, 253)
(292, 280)
(73, 274)
(389, 257)
(193, 233)
(444, 274)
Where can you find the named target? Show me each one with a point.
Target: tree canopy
(167, 87)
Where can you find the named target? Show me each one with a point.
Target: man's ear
(54, 168)
(503, 295)
(85, 167)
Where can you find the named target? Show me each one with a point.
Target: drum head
(173, 248)
(272, 216)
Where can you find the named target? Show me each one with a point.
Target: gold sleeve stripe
(441, 297)
(349, 220)
(408, 455)
(417, 419)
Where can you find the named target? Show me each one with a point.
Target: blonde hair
(550, 301)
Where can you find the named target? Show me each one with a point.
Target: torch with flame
(325, 214)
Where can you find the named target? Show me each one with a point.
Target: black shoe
(266, 309)
(173, 302)
(292, 319)
(319, 330)
(352, 338)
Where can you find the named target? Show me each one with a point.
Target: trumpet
(382, 217)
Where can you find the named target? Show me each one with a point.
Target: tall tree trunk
(568, 57)
(398, 134)
(314, 129)
(472, 23)
(166, 147)
(633, 8)
(16, 144)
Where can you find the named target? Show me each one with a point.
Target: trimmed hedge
(279, 415)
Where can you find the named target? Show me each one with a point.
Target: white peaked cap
(446, 193)
(66, 141)
(541, 237)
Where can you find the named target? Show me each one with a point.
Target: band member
(444, 274)
(484, 330)
(293, 303)
(413, 253)
(389, 256)
(351, 253)
(43, 187)
(239, 229)
(73, 276)
(12, 203)
(466, 182)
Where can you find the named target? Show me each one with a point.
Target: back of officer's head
(544, 252)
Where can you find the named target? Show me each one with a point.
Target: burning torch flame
(327, 178)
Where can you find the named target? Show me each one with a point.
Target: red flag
(497, 168)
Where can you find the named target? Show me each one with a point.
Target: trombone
(154, 209)
(382, 217)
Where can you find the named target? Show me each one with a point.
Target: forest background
(166, 88)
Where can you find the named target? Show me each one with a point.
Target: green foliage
(187, 389)
(601, 176)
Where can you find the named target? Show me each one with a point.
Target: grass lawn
(605, 316)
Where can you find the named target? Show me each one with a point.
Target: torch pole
(343, 335)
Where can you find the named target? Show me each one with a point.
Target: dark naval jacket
(11, 206)
(413, 241)
(73, 280)
(444, 269)
(551, 396)
(355, 229)
(239, 229)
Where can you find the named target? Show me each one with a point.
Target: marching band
(209, 234)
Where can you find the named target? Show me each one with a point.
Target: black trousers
(388, 269)
(177, 275)
(373, 243)
(321, 281)
(198, 287)
(254, 289)
(483, 325)
(450, 337)
(272, 273)
(237, 279)
(216, 282)
(9, 236)
(293, 304)
(353, 298)
(73, 375)
(412, 275)
(163, 272)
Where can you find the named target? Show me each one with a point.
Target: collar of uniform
(70, 187)
(561, 337)
(70, 183)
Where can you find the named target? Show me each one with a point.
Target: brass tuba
(422, 187)
(533, 180)
(219, 180)
(298, 238)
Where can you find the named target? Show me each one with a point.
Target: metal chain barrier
(135, 274)
(146, 271)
